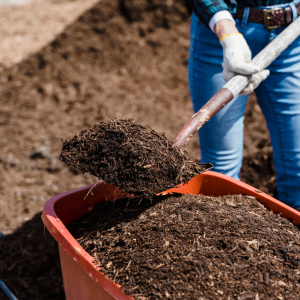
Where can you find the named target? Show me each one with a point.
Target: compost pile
(122, 58)
(29, 263)
(135, 158)
(188, 247)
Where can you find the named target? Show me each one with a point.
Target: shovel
(236, 84)
(105, 149)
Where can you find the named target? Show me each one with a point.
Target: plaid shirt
(205, 9)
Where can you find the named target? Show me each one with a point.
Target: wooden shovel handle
(236, 84)
(215, 104)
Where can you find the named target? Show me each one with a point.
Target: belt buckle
(267, 18)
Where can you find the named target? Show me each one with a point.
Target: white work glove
(236, 59)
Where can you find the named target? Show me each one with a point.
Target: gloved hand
(236, 59)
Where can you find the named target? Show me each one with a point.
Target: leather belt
(271, 18)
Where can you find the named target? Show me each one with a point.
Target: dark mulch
(194, 247)
(29, 263)
(137, 159)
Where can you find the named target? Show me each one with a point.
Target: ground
(124, 59)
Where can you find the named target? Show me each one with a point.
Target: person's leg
(279, 99)
(221, 138)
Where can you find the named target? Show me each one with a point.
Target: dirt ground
(124, 59)
(26, 29)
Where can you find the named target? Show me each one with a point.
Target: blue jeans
(221, 139)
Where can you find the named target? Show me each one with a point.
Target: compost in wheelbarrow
(84, 279)
(193, 246)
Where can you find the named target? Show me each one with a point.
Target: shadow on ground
(29, 263)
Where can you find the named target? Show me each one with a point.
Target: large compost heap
(194, 247)
(121, 59)
(135, 158)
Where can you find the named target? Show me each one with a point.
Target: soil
(29, 263)
(137, 159)
(120, 59)
(26, 29)
(188, 247)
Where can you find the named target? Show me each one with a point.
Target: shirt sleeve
(205, 9)
(220, 15)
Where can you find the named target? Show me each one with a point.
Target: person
(224, 35)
